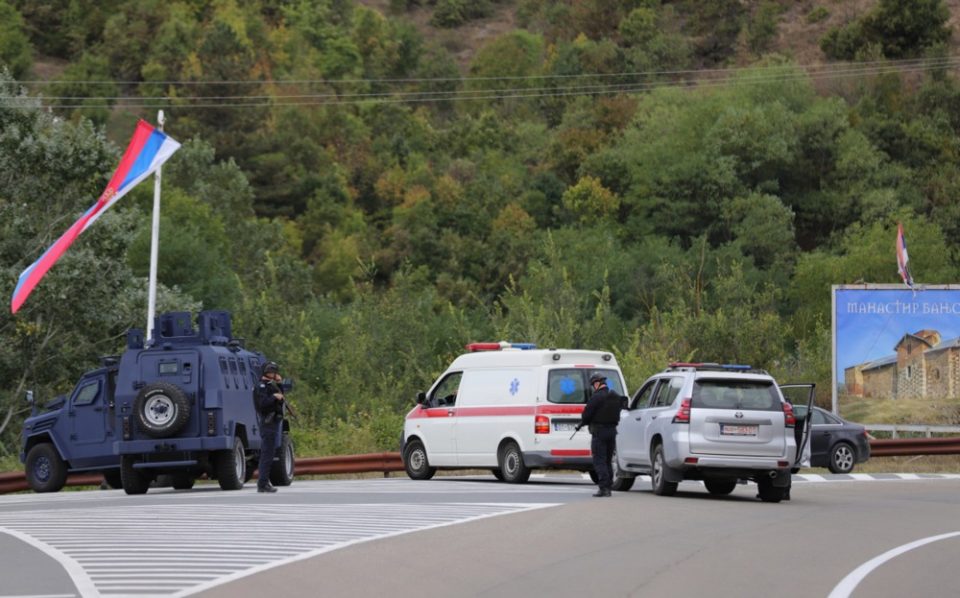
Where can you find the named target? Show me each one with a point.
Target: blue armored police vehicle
(182, 407)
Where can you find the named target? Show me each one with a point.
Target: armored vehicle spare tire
(161, 409)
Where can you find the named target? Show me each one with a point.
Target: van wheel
(113, 479)
(621, 481)
(511, 464)
(232, 466)
(46, 471)
(161, 409)
(135, 481)
(658, 479)
(720, 487)
(281, 472)
(415, 461)
(497, 473)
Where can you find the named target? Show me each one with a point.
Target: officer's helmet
(598, 377)
(270, 367)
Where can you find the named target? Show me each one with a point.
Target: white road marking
(850, 582)
(176, 549)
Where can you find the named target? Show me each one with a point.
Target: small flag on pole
(147, 151)
(903, 260)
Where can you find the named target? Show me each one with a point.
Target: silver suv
(705, 421)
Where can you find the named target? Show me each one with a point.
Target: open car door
(801, 397)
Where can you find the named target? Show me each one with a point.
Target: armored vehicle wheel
(512, 466)
(46, 471)
(415, 461)
(113, 479)
(161, 409)
(183, 481)
(232, 466)
(281, 472)
(135, 481)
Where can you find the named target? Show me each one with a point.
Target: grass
(900, 411)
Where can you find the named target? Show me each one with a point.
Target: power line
(663, 73)
(750, 76)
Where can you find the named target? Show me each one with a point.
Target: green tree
(15, 50)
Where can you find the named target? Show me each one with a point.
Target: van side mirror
(421, 398)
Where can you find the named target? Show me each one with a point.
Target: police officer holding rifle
(270, 402)
(602, 414)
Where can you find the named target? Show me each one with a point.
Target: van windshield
(747, 395)
(570, 385)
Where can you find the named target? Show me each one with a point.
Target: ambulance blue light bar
(473, 347)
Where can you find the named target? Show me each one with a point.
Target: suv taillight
(683, 414)
(789, 419)
(541, 424)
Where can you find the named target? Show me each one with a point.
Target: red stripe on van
(496, 411)
(570, 452)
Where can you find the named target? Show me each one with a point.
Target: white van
(507, 407)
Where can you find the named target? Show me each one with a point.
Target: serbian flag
(147, 151)
(903, 260)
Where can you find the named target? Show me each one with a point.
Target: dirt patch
(462, 42)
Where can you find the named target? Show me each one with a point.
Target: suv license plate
(728, 430)
(564, 426)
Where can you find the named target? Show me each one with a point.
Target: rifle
(286, 386)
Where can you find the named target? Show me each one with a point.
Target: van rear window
(570, 385)
(746, 395)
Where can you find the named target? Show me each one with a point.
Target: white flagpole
(154, 245)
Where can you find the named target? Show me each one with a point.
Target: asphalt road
(839, 536)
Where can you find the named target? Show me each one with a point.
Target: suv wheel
(842, 458)
(232, 466)
(621, 481)
(512, 466)
(415, 461)
(281, 472)
(46, 471)
(720, 487)
(161, 409)
(135, 481)
(658, 477)
(768, 492)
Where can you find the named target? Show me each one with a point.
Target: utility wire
(780, 74)
(827, 66)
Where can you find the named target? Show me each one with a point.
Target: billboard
(893, 342)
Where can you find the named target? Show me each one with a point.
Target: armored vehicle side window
(224, 371)
(243, 373)
(87, 394)
(169, 367)
(234, 371)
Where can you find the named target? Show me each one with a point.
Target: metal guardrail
(924, 429)
(16, 481)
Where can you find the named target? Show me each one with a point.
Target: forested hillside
(368, 186)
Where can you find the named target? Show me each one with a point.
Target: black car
(835, 443)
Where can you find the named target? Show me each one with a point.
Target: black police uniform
(271, 414)
(602, 414)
